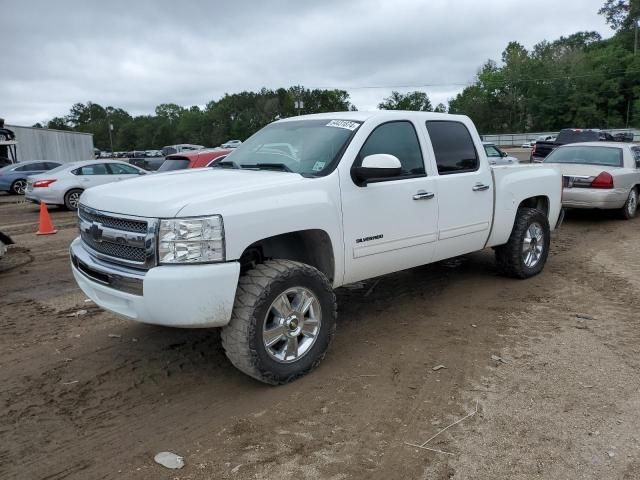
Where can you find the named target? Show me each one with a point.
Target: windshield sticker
(343, 124)
(318, 166)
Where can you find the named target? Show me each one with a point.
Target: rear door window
(453, 147)
(96, 169)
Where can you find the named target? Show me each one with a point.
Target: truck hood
(164, 195)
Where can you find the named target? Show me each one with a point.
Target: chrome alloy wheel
(291, 325)
(533, 245)
(74, 200)
(20, 186)
(632, 203)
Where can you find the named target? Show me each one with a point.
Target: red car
(193, 159)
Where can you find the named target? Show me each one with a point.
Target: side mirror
(503, 154)
(379, 165)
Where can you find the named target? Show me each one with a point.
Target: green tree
(418, 101)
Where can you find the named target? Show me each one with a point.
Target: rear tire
(72, 198)
(525, 253)
(272, 337)
(19, 186)
(631, 205)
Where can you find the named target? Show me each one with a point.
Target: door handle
(480, 187)
(422, 195)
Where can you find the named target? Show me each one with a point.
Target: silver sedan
(603, 175)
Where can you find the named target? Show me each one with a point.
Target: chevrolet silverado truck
(258, 244)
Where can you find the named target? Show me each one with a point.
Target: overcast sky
(136, 54)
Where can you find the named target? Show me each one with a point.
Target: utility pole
(635, 52)
(110, 125)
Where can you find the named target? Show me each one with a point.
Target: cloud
(138, 54)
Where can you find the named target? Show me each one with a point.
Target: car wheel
(19, 186)
(72, 199)
(525, 253)
(283, 320)
(631, 205)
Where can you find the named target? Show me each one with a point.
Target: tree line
(580, 80)
(235, 116)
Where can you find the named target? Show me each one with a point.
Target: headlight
(191, 240)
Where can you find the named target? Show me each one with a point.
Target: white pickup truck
(257, 245)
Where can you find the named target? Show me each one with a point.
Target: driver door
(390, 224)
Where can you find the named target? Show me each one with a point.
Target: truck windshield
(307, 147)
(588, 155)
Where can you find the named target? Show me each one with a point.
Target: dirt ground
(94, 396)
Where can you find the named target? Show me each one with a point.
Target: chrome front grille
(120, 239)
(139, 226)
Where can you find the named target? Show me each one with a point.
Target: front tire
(72, 199)
(283, 320)
(631, 205)
(19, 186)
(525, 254)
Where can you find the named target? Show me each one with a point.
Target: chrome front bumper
(117, 277)
(187, 296)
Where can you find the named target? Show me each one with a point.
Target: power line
(510, 81)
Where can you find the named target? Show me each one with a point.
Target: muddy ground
(94, 396)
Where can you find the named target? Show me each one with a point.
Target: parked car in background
(64, 185)
(542, 148)
(13, 178)
(528, 144)
(603, 175)
(231, 144)
(197, 159)
(148, 164)
(497, 156)
(181, 147)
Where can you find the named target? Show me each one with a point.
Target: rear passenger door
(465, 189)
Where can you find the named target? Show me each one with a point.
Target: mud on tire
(512, 257)
(258, 289)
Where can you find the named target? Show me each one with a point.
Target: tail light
(533, 150)
(604, 180)
(43, 183)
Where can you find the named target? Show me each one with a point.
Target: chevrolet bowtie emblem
(96, 232)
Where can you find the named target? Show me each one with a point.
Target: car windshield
(307, 147)
(174, 164)
(607, 156)
(9, 167)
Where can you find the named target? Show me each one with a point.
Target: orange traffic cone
(46, 227)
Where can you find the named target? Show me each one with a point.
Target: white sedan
(231, 144)
(65, 184)
(497, 156)
(603, 175)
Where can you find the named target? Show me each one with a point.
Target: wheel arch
(539, 202)
(312, 247)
